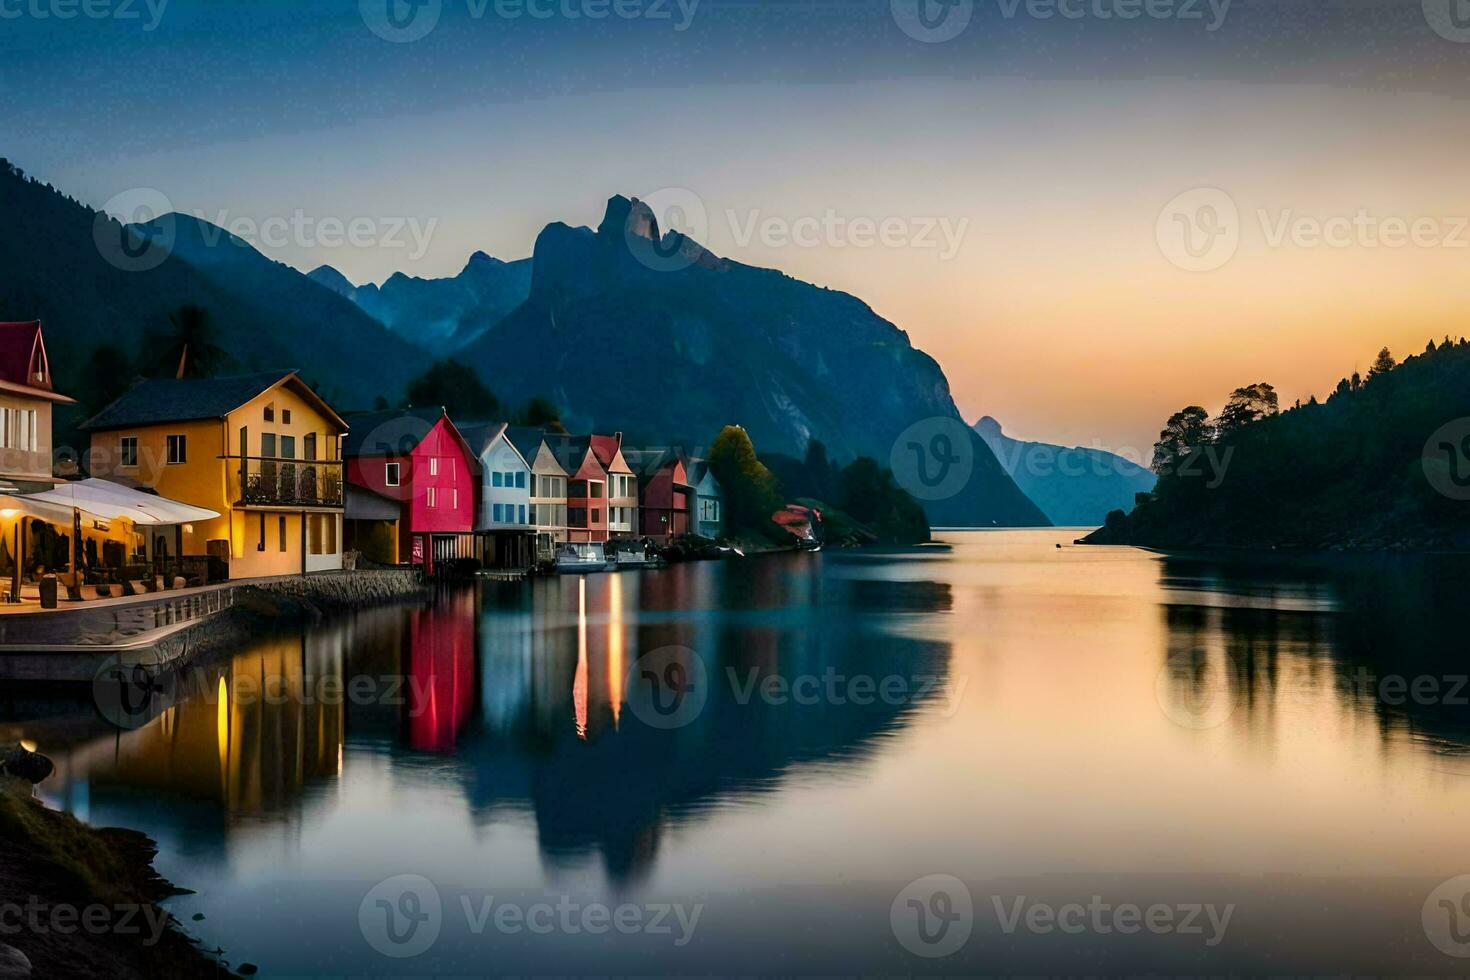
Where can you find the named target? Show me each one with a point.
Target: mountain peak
(988, 425)
(326, 275)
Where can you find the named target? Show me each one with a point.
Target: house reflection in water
(521, 694)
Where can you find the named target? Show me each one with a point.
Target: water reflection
(1092, 712)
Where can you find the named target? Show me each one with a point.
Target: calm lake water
(760, 766)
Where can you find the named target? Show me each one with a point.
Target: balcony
(267, 482)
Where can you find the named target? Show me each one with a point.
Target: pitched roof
(605, 448)
(479, 436)
(393, 432)
(187, 399)
(21, 347)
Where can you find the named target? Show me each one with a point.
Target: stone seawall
(167, 631)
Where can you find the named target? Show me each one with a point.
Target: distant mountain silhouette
(61, 265)
(1382, 464)
(1072, 486)
(655, 335)
(439, 315)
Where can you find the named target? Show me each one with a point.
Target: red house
(586, 487)
(417, 460)
(665, 494)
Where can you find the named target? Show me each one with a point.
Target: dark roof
(18, 350)
(479, 434)
(526, 439)
(394, 432)
(182, 400)
(569, 450)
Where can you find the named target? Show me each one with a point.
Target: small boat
(632, 554)
(581, 557)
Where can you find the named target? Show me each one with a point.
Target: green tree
(540, 413)
(187, 348)
(1246, 406)
(455, 387)
(1186, 431)
(869, 494)
(751, 493)
(1383, 363)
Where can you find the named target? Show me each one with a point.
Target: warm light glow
(188, 528)
(615, 647)
(28, 745)
(579, 682)
(8, 513)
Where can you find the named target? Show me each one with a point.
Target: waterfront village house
(417, 459)
(264, 450)
(548, 496)
(507, 534)
(709, 500)
(665, 494)
(622, 486)
(586, 487)
(26, 397)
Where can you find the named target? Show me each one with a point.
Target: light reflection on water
(1074, 720)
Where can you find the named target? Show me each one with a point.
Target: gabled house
(548, 491)
(708, 511)
(622, 486)
(26, 398)
(507, 535)
(586, 487)
(416, 458)
(665, 494)
(264, 450)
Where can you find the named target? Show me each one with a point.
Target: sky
(1090, 212)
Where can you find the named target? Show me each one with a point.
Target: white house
(503, 519)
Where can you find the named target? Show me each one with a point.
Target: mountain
(1382, 464)
(439, 315)
(654, 335)
(1074, 487)
(93, 282)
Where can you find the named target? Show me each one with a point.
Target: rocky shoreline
(80, 901)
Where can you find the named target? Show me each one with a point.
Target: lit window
(433, 465)
(129, 451)
(429, 496)
(390, 474)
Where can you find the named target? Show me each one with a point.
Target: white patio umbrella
(113, 501)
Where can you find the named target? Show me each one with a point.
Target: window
(128, 451)
(308, 445)
(429, 497)
(596, 489)
(177, 450)
(288, 447)
(286, 416)
(270, 411)
(260, 540)
(596, 516)
(576, 517)
(433, 465)
(268, 445)
(520, 479)
(535, 514)
(281, 521)
(495, 512)
(390, 474)
(495, 479)
(578, 489)
(522, 508)
(454, 498)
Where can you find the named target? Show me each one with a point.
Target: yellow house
(264, 450)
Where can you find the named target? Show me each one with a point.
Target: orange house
(586, 487)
